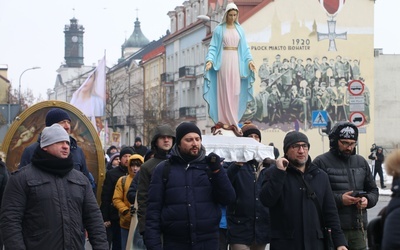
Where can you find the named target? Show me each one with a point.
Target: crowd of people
(175, 195)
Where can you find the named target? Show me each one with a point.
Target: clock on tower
(73, 44)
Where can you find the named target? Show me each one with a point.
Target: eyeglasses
(348, 144)
(298, 146)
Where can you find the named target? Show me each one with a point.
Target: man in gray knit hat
(48, 200)
(61, 117)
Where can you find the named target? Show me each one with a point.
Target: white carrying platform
(239, 149)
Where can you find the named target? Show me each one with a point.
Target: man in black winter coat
(295, 222)
(351, 180)
(161, 144)
(247, 218)
(378, 159)
(139, 147)
(48, 202)
(110, 213)
(60, 116)
(391, 214)
(3, 181)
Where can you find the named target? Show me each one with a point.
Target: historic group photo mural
(307, 54)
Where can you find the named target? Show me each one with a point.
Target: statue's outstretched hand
(208, 65)
(252, 66)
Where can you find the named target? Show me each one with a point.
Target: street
(384, 198)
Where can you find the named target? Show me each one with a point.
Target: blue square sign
(319, 118)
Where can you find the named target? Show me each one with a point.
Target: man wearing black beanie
(184, 196)
(349, 174)
(248, 220)
(287, 190)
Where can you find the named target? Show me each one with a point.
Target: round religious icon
(27, 127)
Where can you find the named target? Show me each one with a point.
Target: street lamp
(19, 86)
(206, 18)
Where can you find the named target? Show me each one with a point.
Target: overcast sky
(31, 32)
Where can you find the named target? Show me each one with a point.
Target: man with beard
(247, 218)
(295, 221)
(352, 183)
(184, 196)
(48, 202)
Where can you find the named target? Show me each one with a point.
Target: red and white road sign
(356, 87)
(357, 118)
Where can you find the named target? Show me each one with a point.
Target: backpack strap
(166, 171)
(123, 181)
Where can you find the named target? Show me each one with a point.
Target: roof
(139, 54)
(4, 79)
(154, 53)
(137, 39)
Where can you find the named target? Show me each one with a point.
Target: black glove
(213, 161)
(267, 162)
(132, 210)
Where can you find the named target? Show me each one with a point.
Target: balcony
(118, 121)
(187, 72)
(167, 114)
(167, 78)
(150, 114)
(130, 120)
(187, 112)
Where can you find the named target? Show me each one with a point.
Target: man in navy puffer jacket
(184, 196)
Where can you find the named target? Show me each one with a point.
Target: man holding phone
(352, 183)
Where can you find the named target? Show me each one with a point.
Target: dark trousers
(223, 243)
(378, 170)
(356, 239)
(116, 235)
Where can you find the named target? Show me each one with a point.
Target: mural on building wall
(306, 57)
(291, 88)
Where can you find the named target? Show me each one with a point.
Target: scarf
(51, 164)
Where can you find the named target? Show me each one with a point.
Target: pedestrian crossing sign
(319, 118)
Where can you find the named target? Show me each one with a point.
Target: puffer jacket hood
(132, 158)
(163, 130)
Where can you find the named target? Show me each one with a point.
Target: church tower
(135, 42)
(74, 44)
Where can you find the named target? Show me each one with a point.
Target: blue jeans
(124, 237)
(138, 242)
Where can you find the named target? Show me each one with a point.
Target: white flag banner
(90, 98)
